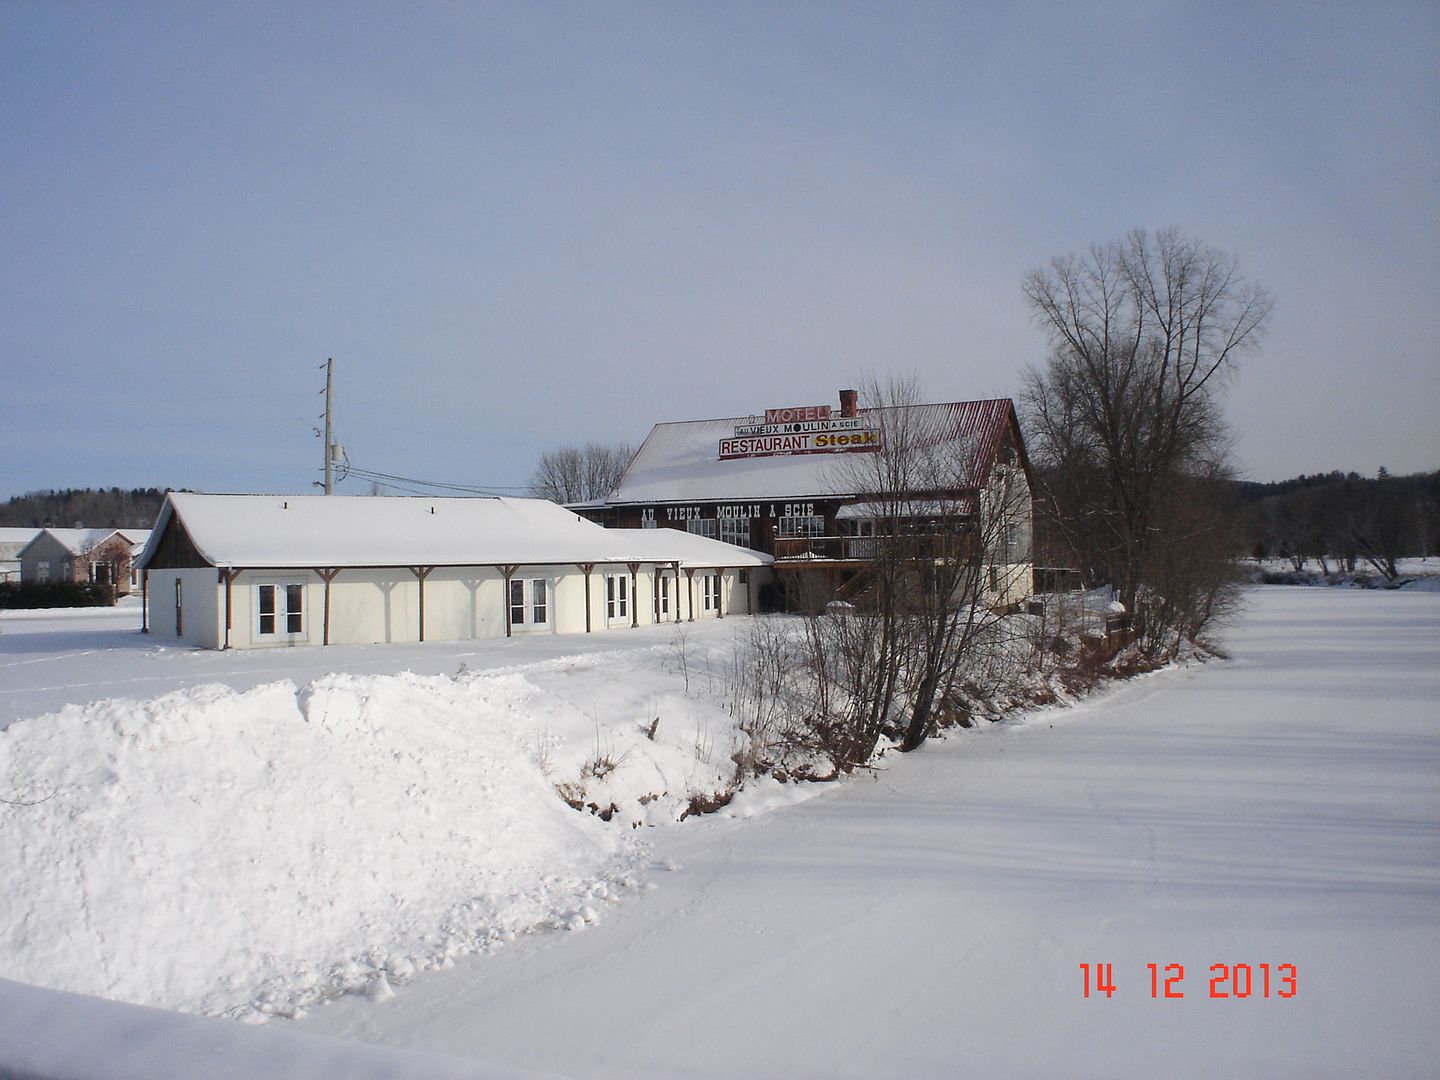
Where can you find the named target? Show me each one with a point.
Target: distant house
(788, 482)
(255, 571)
(12, 541)
(101, 556)
(138, 538)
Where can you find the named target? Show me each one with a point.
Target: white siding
(373, 606)
(1010, 570)
(200, 601)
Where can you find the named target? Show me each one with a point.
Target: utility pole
(329, 431)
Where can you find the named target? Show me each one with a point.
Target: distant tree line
(88, 508)
(1343, 521)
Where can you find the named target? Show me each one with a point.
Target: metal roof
(679, 462)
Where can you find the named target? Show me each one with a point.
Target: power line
(392, 480)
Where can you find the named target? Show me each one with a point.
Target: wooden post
(690, 590)
(749, 592)
(586, 568)
(228, 577)
(719, 591)
(676, 567)
(421, 573)
(509, 571)
(634, 569)
(328, 575)
(144, 601)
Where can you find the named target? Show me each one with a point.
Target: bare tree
(1384, 528)
(579, 474)
(942, 546)
(1143, 333)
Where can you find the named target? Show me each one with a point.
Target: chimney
(848, 407)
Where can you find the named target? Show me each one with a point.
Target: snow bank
(44, 1033)
(251, 852)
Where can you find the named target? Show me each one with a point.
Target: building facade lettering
(797, 413)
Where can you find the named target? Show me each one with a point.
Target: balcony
(799, 550)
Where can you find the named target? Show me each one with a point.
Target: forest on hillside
(86, 508)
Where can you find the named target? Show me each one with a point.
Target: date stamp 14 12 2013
(1226, 981)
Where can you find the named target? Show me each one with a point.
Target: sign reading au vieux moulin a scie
(805, 429)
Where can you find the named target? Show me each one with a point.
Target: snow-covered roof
(679, 462)
(12, 540)
(274, 531)
(76, 541)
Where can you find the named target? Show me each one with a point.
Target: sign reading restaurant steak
(802, 429)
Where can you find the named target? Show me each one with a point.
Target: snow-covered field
(1282, 808)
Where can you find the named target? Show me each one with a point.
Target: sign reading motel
(805, 429)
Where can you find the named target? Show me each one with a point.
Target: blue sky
(516, 226)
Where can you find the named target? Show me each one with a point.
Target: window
(735, 531)
(617, 597)
(810, 525)
(529, 602)
(701, 527)
(662, 590)
(710, 592)
(42, 570)
(280, 609)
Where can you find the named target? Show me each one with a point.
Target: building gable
(174, 549)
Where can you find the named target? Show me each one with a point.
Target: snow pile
(252, 852)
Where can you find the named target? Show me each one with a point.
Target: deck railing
(865, 548)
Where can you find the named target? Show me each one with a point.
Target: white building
(252, 571)
(12, 542)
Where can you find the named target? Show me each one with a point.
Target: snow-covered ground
(1282, 808)
(1415, 575)
(332, 833)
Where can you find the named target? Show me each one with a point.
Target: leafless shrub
(680, 652)
(703, 743)
(707, 802)
(602, 761)
(762, 694)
